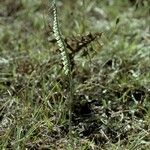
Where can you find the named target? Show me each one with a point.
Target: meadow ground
(111, 75)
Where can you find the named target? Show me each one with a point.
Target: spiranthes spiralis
(65, 60)
(60, 41)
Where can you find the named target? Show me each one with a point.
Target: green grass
(111, 108)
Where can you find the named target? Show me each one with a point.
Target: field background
(111, 76)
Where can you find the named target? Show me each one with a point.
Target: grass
(111, 76)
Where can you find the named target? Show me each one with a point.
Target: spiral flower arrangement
(60, 41)
(65, 60)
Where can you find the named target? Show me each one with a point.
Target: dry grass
(111, 108)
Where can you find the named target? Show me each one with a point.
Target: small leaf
(117, 20)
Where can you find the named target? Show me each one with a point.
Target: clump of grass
(111, 96)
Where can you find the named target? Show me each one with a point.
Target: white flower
(60, 42)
